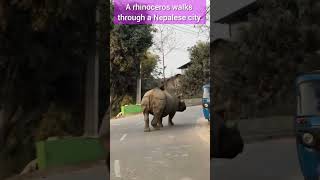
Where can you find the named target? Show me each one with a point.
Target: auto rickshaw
(206, 101)
(307, 124)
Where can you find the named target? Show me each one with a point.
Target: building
(184, 67)
(229, 16)
(173, 84)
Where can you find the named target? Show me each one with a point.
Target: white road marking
(186, 146)
(174, 147)
(117, 168)
(186, 178)
(185, 155)
(159, 162)
(124, 136)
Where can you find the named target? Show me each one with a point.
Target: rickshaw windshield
(309, 98)
(206, 92)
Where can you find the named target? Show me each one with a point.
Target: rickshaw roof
(206, 86)
(308, 76)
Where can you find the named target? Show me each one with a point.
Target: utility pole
(163, 69)
(138, 99)
(163, 65)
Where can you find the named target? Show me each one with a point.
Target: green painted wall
(68, 151)
(131, 109)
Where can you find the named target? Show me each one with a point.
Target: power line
(183, 28)
(198, 33)
(192, 33)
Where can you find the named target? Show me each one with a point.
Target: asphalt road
(180, 152)
(276, 160)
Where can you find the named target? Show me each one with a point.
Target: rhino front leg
(146, 122)
(160, 123)
(155, 121)
(170, 119)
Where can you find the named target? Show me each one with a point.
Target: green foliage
(149, 71)
(127, 100)
(198, 73)
(42, 13)
(128, 44)
(149, 66)
(278, 42)
(44, 48)
(54, 123)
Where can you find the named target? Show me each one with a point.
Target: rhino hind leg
(170, 123)
(146, 122)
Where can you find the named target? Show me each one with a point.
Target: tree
(278, 42)
(128, 44)
(198, 73)
(149, 71)
(41, 66)
(164, 44)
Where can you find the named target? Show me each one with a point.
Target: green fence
(68, 151)
(131, 109)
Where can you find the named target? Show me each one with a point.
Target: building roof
(239, 15)
(185, 66)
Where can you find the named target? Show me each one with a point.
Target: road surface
(180, 152)
(276, 160)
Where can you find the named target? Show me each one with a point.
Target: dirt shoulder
(58, 170)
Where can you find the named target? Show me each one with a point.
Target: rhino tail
(146, 103)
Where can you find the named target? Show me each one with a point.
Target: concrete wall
(256, 129)
(235, 30)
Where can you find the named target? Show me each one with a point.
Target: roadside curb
(125, 116)
(139, 114)
(266, 128)
(248, 139)
(203, 131)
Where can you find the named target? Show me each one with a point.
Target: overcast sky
(186, 36)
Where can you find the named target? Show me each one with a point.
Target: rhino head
(181, 104)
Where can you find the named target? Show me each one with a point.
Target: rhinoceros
(160, 103)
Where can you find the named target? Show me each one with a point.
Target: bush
(54, 123)
(126, 100)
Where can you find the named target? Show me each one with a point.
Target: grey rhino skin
(160, 103)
